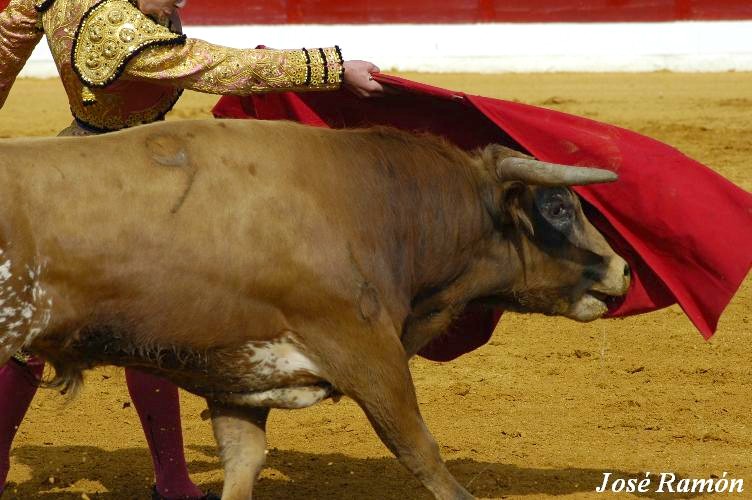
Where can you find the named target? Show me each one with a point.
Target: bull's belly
(274, 374)
(290, 398)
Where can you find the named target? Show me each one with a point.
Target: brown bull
(270, 265)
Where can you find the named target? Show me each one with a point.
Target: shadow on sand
(126, 474)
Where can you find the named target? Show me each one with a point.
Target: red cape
(685, 230)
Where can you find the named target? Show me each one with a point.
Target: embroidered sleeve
(19, 34)
(110, 34)
(204, 67)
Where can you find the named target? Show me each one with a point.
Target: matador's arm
(19, 34)
(204, 67)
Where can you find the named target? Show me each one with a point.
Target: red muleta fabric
(685, 230)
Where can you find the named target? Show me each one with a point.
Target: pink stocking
(18, 384)
(158, 406)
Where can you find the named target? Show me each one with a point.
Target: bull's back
(222, 219)
(205, 179)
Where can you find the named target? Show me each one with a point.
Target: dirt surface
(543, 410)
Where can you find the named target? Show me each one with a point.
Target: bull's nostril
(627, 271)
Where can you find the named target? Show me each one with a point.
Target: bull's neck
(443, 230)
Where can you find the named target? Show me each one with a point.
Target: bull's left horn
(551, 174)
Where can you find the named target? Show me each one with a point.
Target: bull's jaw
(591, 305)
(587, 308)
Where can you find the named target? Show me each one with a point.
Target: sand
(542, 410)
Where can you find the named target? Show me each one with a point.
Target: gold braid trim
(111, 33)
(317, 68)
(22, 357)
(334, 65)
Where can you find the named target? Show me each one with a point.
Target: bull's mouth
(592, 305)
(607, 299)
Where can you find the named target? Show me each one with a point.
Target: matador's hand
(359, 81)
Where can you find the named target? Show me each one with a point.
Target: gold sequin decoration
(204, 67)
(112, 32)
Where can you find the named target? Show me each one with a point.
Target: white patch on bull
(290, 398)
(275, 374)
(27, 311)
(5, 271)
(40, 321)
(280, 357)
(23, 315)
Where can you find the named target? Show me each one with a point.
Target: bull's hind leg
(379, 381)
(241, 435)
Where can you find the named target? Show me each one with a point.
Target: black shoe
(156, 496)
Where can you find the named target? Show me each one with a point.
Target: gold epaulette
(110, 34)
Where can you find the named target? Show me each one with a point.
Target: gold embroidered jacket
(121, 68)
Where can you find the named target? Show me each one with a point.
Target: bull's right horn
(551, 174)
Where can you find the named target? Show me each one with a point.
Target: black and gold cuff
(325, 68)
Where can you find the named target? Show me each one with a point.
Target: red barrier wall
(457, 11)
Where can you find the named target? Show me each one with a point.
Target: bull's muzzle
(594, 302)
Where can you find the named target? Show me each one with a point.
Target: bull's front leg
(379, 381)
(241, 436)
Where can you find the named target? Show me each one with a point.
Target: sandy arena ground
(541, 411)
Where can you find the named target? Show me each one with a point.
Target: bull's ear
(514, 201)
(494, 154)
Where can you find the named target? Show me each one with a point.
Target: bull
(271, 265)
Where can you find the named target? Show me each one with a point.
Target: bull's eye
(557, 209)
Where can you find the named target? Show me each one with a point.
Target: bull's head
(563, 265)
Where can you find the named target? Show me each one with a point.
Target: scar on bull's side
(181, 200)
(170, 151)
(368, 296)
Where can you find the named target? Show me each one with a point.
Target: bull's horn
(551, 174)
